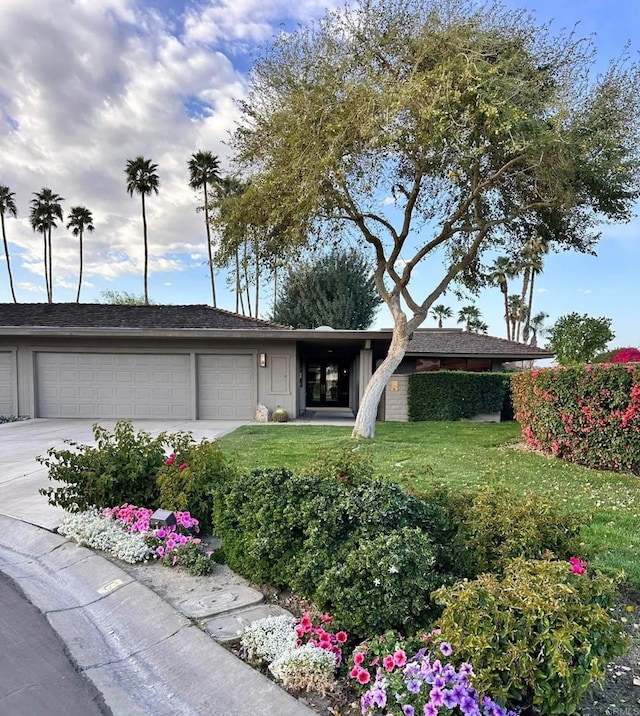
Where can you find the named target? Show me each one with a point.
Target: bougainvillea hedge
(588, 414)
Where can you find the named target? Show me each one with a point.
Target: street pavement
(146, 650)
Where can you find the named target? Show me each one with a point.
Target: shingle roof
(456, 342)
(99, 315)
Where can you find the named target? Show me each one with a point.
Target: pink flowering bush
(173, 545)
(587, 414)
(320, 635)
(626, 355)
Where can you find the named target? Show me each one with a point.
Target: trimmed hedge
(452, 395)
(587, 414)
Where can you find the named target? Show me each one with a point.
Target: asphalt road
(36, 676)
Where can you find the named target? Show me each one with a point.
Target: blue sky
(87, 84)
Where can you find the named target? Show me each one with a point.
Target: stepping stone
(228, 627)
(206, 602)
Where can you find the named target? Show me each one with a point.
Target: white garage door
(6, 383)
(226, 387)
(112, 385)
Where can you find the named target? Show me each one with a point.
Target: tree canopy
(431, 129)
(334, 290)
(576, 339)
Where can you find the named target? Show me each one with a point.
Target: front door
(328, 384)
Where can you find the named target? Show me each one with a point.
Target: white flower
(393, 569)
(267, 638)
(307, 668)
(376, 582)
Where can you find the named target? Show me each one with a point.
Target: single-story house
(70, 360)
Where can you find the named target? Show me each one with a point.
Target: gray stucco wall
(275, 384)
(396, 398)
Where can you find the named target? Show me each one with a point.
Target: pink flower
(326, 618)
(354, 672)
(161, 532)
(375, 662)
(160, 551)
(170, 460)
(578, 565)
(364, 677)
(341, 637)
(182, 466)
(388, 662)
(358, 658)
(399, 658)
(306, 622)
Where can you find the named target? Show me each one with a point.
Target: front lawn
(466, 454)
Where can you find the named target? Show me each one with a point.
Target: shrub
(588, 414)
(499, 525)
(190, 476)
(537, 637)
(351, 464)
(382, 583)
(626, 355)
(306, 668)
(452, 395)
(120, 468)
(265, 639)
(191, 557)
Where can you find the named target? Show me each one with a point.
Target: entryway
(327, 384)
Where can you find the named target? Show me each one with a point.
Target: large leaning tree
(436, 129)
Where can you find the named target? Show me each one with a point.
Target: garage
(226, 387)
(7, 381)
(112, 385)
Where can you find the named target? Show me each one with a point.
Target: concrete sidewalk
(149, 651)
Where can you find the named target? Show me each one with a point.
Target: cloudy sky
(87, 84)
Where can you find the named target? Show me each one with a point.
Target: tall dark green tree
(142, 178)
(334, 290)
(204, 172)
(80, 219)
(7, 206)
(482, 126)
(46, 208)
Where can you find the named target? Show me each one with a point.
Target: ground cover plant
(470, 455)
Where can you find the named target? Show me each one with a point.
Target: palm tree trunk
(146, 254)
(206, 222)
(46, 264)
(275, 287)
(50, 267)
(257, 271)
(523, 296)
(506, 311)
(526, 329)
(80, 270)
(6, 253)
(245, 265)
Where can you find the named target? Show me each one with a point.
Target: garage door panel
(7, 379)
(226, 387)
(104, 385)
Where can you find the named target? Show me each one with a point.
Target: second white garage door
(226, 387)
(7, 379)
(112, 385)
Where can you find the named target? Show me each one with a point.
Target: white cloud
(32, 287)
(388, 200)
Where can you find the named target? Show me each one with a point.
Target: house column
(365, 370)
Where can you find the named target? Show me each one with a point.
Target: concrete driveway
(21, 443)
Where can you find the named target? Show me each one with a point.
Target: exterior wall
(396, 394)
(275, 384)
(8, 382)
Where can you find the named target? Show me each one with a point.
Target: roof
(104, 315)
(456, 342)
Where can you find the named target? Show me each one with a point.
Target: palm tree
(142, 179)
(536, 325)
(468, 315)
(499, 274)
(203, 171)
(7, 206)
(536, 264)
(514, 305)
(228, 187)
(80, 220)
(45, 209)
(440, 312)
(477, 325)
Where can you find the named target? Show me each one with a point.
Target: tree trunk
(275, 287)
(80, 270)
(523, 297)
(146, 254)
(206, 222)
(365, 424)
(50, 267)
(257, 272)
(506, 310)
(527, 323)
(6, 253)
(245, 268)
(46, 263)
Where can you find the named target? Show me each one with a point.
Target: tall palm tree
(7, 206)
(499, 274)
(45, 209)
(477, 325)
(204, 171)
(440, 313)
(80, 220)
(536, 264)
(229, 187)
(142, 178)
(469, 315)
(514, 305)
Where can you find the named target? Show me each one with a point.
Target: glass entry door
(327, 384)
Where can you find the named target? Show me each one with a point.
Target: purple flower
(469, 707)
(449, 673)
(379, 696)
(430, 709)
(366, 701)
(412, 671)
(413, 685)
(445, 648)
(437, 696)
(466, 669)
(451, 700)
(408, 710)
(439, 682)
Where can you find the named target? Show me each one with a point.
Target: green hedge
(587, 414)
(452, 395)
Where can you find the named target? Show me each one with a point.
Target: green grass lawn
(466, 454)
